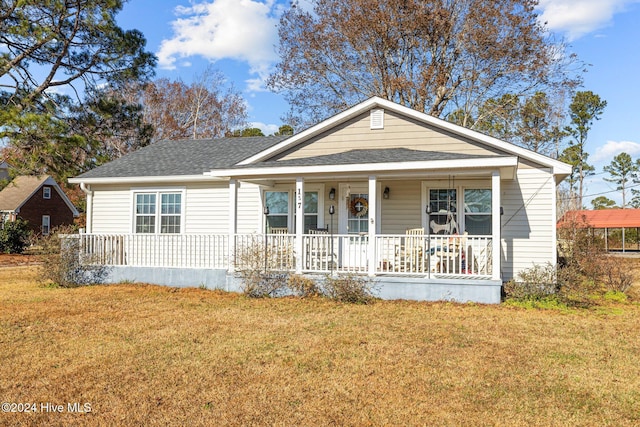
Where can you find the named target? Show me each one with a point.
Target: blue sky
(238, 37)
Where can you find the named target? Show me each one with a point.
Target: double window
(450, 215)
(282, 212)
(158, 212)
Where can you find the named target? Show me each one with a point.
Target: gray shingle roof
(367, 156)
(184, 157)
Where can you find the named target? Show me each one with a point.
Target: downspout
(89, 210)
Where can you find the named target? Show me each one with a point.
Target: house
(39, 200)
(429, 209)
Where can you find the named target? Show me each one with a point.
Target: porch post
(233, 224)
(496, 222)
(299, 223)
(372, 226)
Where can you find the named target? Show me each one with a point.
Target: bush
(265, 284)
(349, 288)
(254, 262)
(535, 283)
(303, 286)
(616, 275)
(14, 237)
(62, 264)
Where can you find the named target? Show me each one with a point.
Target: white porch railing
(156, 250)
(437, 255)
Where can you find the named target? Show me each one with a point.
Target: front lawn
(148, 355)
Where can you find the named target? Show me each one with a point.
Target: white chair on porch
(281, 250)
(318, 249)
(410, 256)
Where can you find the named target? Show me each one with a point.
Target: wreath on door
(353, 207)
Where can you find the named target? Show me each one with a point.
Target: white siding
(205, 205)
(207, 208)
(403, 209)
(249, 208)
(111, 209)
(528, 221)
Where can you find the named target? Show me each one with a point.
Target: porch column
(89, 209)
(372, 225)
(299, 223)
(233, 224)
(496, 222)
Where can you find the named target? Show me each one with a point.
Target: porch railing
(438, 255)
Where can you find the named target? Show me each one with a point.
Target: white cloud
(243, 30)
(608, 151)
(579, 17)
(266, 129)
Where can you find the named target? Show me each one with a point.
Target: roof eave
(507, 165)
(145, 179)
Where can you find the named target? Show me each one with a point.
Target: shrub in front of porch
(349, 288)
(62, 264)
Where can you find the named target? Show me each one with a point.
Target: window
(46, 192)
(443, 204)
(280, 206)
(145, 213)
(310, 210)
(158, 208)
(46, 225)
(358, 213)
(477, 211)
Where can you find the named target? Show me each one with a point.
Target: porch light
(332, 210)
(332, 194)
(501, 211)
(385, 193)
(266, 210)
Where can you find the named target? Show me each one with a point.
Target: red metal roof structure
(602, 218)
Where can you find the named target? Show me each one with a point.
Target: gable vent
(377, 118)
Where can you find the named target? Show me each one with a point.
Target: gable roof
(188, 157)
(602, 218)
(23, 187)
(219, 159)
(558, 168)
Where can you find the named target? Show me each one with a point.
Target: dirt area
(13, 260)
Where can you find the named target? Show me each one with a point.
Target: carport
(606, 220)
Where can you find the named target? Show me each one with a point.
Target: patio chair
(281, 251)
(318, 249)
(482, 260)
(410, 256)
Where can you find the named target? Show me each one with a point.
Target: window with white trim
(477, 211)
(46, 225)
(46, 192)
(280, 207)
(443, 218)
(153, 208)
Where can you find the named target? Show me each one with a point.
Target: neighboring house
(430, 209)
(38, 200)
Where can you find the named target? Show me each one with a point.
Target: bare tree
(208, 108)
(436, 56)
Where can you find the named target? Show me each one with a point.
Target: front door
(354, 222)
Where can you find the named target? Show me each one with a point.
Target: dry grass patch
(147, 355)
